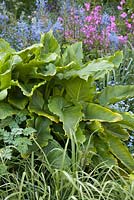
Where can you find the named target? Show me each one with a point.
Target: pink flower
(132, 16)
(68, 33)
(128, 25)
(123, 15)
(112, 18)
(122, 39)
(122, 2)
(88, 19)
(119, 8)
(97, 8)
(87, 5)
(60, 19)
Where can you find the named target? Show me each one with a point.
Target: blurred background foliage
(17, 7)
(29, 5)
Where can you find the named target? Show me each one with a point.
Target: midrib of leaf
(78, 93)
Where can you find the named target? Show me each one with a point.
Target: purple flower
(122, 2)
(132, 16)
(123, 15)
(119, 8)
(128, 25)
(122, 39)
(60, 19)
(87, 6)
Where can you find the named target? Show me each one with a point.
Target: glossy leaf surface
(113, 94)
(96, 112)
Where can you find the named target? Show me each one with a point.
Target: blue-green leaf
(113, 94)
(73, 53)
(38, 105)
(6, 110)
(69, 114)
(50, 44)
(103, 151)
(120, 151)
(79, 90)
(42, 125)
(28, 88)
(96, 112)
(3, 94)
(17, 99)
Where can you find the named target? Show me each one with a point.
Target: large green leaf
(96, 112)
(68, 71)
(128, 121)
(97, 68)
(50, 44)
(30, 53)
(38, 105)
(113, 94)
(8, 61)
(17, 99)
(5, 46)
(116, 59)
(37, 100)
(3, 94)
(26, 71)
(45, 71)
(79, 90)
(42, 125)
(80, 137)
(117, 130)
(6, 110)
(56, 155)
(34, 70)
(103, 151)
(73, 53)
(5, 52)
(69, 114)
(6, 70)
(50, 57)
(42, 134)
(4, 57)
(120, 151)
(28, 88)
(15, 60)
(5, 80)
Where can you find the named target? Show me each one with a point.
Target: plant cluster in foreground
(43, 103)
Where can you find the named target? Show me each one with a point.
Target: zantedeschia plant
(49, 100)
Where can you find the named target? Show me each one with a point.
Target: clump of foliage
(63, 110)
